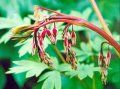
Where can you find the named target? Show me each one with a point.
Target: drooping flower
(44, 57)
(68, 43)
(71, 58)
(73, 37)
(101, 60)
(108, 57)
(104, 62)
(54, 33)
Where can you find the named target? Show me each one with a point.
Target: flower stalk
(68, 37)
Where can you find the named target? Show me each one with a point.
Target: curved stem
(81, 22)
(101, 19)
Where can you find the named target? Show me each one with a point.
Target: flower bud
(48, 32)
(73, 37)
(40, 39)
(65, 41)
(50, 35)
(43, 33)
(19, 29)
(54, 32)
(108, 57)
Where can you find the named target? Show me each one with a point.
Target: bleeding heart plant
(69, 37)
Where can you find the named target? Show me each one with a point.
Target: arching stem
(82, 22)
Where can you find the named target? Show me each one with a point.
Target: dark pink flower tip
(43, 33)
(54, 31)
(108, 57)
(101, 57)
(73, 37)
(48, 32)
(65, 41)
(73, 34)
(40, 39)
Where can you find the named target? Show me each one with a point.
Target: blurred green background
(16, 12)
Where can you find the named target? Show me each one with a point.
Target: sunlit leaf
(13, 21)
(52, 79)
(31, 68)
(6, 37)
(26, 48)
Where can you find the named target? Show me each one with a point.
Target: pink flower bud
(48, 32)
(40, 39)
(73, 37)
(43, 33)
(101, 60)
(101, 57)
(108, 57)
(54, 31)
(73, 34)
(65, 41)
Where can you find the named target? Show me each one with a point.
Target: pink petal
(54, 31)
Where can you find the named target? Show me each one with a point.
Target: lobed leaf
(31, 68)
(52, 80)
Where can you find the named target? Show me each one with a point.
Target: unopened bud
(108, 57)
(54, 31)
(19, 29)
(48, 32)
(73, 37)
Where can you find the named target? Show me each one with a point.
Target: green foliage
(61, 76)
(32, 68)
(52, 79)
(83, 71)
(25, 48)
(13, 21)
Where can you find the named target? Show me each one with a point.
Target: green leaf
(31, 68)
(86, 13)
(96, 43)
(52, 79)
(78, 51)
(13, 21)
(48, 84)
(64, 67)
(26, 48)
(83, 71)
(84, 47)
(6, 37)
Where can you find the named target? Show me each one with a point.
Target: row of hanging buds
(69, 41)
(104, 62)
(68, 37)
(38, 42)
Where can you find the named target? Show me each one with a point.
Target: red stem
(81, 22)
